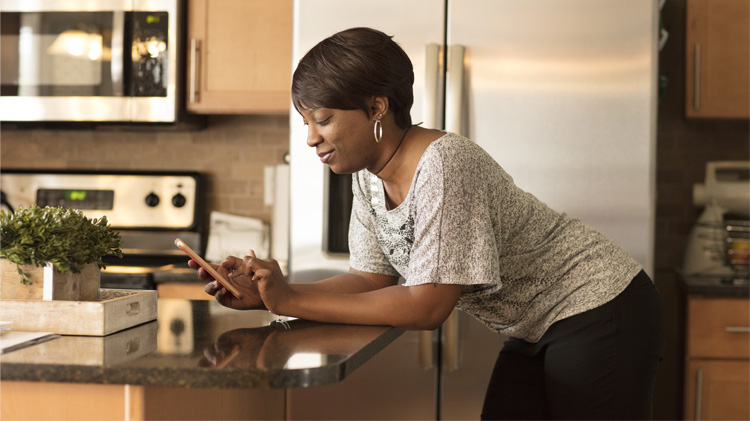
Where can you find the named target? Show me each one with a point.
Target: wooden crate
(117, 309)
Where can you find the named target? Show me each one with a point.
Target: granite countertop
(716, 286)
(201, 344)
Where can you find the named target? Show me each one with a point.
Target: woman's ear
(378, 106)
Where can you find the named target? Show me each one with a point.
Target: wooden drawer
(718, 327)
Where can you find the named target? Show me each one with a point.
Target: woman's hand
(271, 284)
(241, 279)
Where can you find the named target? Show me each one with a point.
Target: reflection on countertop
(202, 344)
(109, 350)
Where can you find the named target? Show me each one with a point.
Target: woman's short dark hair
(348, 68)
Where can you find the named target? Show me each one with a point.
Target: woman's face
(343, 139)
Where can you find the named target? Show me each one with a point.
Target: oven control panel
(128, 200)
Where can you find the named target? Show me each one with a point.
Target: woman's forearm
(422, 307)
(348, 283)
(356, 298)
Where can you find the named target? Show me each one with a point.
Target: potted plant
(53, 253)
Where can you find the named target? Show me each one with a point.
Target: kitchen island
(198, 360)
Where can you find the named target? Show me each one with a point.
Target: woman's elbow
(428, 306)
(425, 321)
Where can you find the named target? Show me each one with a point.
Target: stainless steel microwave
(86, 60)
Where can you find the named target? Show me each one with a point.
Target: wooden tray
(117, 309)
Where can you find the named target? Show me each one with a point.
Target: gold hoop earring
(378, 130)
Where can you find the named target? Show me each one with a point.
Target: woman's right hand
(248, 289)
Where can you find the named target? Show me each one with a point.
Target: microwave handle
(195, 54)
(119, 46)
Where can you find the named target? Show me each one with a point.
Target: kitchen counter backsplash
(231, 151)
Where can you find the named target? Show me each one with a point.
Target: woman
(585, 321)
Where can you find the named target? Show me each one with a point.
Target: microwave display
(84, 54)
(149, 58)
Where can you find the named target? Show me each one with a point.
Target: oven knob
(178, 200)
(152, 200)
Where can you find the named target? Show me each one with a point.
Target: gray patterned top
(523, 265)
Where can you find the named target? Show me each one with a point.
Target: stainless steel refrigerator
(561, 92)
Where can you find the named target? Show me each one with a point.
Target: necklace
(394, 152)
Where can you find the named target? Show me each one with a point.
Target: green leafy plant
(66, 238)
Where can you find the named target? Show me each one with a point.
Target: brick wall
(231, 152)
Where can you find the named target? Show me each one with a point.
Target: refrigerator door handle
(451, 341)
(426, 347)
(455, 88)
(431, 81)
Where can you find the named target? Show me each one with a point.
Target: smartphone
(193, 255)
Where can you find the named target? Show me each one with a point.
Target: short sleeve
(455, 220)
(365, 253)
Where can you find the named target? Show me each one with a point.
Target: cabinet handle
(195, 52)
(737, 329)
(697, 78)
(698, 394)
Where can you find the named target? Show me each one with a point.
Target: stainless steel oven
(149, 209)
(83, 60)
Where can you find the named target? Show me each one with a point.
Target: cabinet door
(718, 59)
(239, 56)
(717, 390)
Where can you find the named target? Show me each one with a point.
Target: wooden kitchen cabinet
(239, 56)
(718, 59)
(724, 390)
(73, 401)
(717, 364)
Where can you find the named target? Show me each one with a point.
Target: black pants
(595, 365)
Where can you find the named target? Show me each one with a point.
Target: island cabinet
(239, 56)
(70, 401)
(717, 372)
(718, 59)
